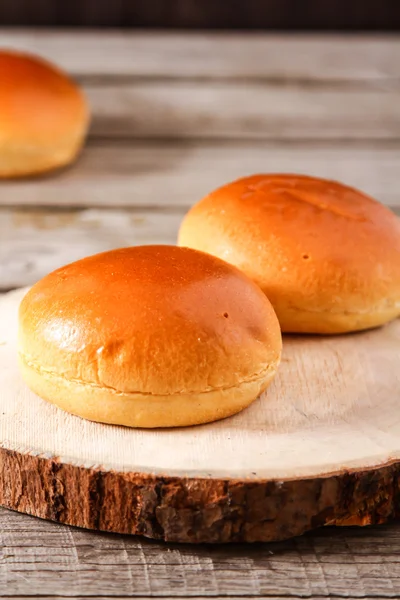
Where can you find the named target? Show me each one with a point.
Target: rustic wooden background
(175, 115)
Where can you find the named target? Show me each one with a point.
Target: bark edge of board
(195, 510)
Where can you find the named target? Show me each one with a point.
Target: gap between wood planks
(273, 81)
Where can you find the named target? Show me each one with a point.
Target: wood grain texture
(46, 559)
(34, 243)
(178, 174)
(319, 448)
(242, 110)
(276, 57)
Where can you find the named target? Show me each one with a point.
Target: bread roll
(152, 336)
(326, 255)
(43, 116)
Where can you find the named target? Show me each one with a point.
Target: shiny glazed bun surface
(326, 255)
(43, 116)
(151, 336)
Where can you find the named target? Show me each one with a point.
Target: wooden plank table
(174, 116)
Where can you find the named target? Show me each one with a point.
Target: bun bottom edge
(104, 405)
(324, 322)
(20, 160)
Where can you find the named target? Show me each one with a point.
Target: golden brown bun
(151, 336)
(43, 116)
(326, 255)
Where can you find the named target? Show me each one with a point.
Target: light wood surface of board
(176, 115)
(332, 407)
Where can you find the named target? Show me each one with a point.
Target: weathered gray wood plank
(42, 558)
(230, 86)
(217, 55)
(34, 243)
(180, 173)
(242, 110)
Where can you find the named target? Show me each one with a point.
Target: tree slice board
(322, 446)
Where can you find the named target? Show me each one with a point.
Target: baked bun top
(37, 101)
(150, 319)
(311, 244)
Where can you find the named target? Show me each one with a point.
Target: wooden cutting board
(322, 446)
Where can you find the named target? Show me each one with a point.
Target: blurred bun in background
(44, 116)
(326, 255)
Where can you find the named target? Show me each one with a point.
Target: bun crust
(43, 116)
(326, 255)
(152, 336)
